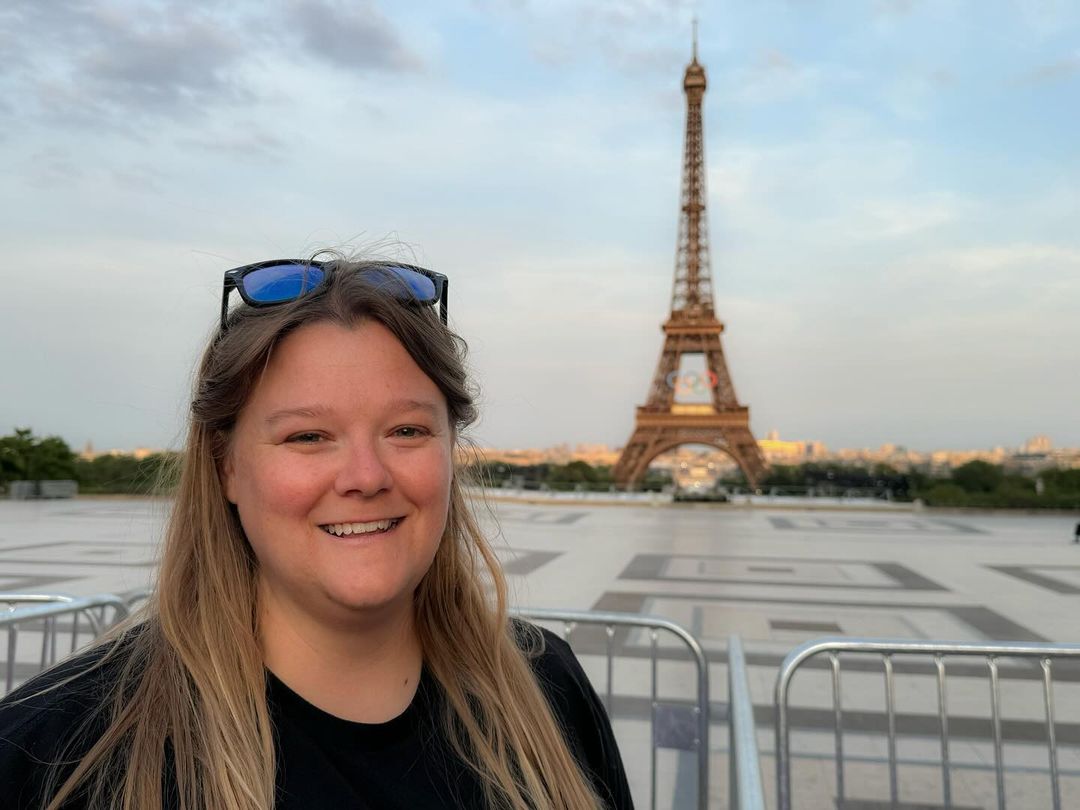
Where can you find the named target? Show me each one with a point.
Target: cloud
(356, 36)
(53, 167)
(172, 62)
(115, 65)
(1045, 18)
(1051, 265)
(254, 145)
(1059, 71)
(126, 65)
(900, 217)
(621, 32)
(774, 76)
(140, 179)
(894, 8)
(942, 77)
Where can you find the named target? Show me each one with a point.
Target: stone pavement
(776, 577)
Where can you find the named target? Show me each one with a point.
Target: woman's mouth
(349, 529)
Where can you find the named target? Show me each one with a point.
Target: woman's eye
(410, 432)
(304, 438)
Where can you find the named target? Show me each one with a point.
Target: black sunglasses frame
(234, 277)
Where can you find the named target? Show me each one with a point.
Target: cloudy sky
(894, 201)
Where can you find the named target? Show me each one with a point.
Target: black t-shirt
(323, 762)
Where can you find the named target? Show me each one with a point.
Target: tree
(15, 453)
(1064, 482)
(53, 460)
(24, 457)
(978, 476)
(946, 494)
(156, 474)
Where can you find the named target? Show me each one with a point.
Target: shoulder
(578, 710)
(43, 721)
(70, 688)
(554, 664)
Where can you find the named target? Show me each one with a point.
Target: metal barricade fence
(132, 598)
(746, 788)
(30, 616)
(685, 723)
(689, 723)
(909, 651)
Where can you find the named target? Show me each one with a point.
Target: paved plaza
(775, 577)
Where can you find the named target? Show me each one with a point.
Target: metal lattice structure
(692, 328)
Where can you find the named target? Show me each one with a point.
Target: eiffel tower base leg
(649, 442)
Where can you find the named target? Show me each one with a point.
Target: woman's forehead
(333, 365)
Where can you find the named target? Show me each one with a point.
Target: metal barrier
(746, 788)
(14, 600)
(697, 734)
(887, 649)
(688, 726)
(131, 598)
(41, 613)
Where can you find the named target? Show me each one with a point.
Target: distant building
(1037, 444)
(692, 463)
(139, 453)
(778, 451)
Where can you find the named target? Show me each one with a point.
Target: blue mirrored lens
(406, 284)
(281, 282)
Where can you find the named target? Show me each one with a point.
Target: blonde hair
(193, 678)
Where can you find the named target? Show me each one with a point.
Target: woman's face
(340, 468)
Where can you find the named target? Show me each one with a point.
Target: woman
(329, 628)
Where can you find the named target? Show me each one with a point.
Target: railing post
(747, 788)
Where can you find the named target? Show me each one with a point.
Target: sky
(893, 202)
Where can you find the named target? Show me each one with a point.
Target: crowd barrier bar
(654, 624)
(12, 600)
(746, 788)
(140, 595)
(1046, 654)
(47, 609)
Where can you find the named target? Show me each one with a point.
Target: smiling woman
(330, 626)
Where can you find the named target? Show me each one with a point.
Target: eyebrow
(309, 411)
(318, 409)
(427, 407)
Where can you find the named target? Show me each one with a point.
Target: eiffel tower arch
(692, 328)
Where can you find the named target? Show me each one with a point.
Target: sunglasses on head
(279, 281)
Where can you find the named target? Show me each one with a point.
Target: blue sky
(894, 198)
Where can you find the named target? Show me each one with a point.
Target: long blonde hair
(193, 679)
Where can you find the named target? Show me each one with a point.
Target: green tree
(978, 476)
(25, 457)
(15, 455)
(123, 474)
(945, 494)
(1061, 482)
(53, 460)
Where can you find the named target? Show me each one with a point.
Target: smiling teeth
(344, 529)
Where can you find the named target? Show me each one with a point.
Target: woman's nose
(363, 471)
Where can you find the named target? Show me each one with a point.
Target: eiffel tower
(692, 328)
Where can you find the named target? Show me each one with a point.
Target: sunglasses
(279, 281)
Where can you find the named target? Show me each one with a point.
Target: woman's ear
(227, 474)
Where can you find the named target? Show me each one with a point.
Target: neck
(365, 670)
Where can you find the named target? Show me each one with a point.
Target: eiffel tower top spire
(691, 298)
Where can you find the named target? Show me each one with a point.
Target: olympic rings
(692, 383)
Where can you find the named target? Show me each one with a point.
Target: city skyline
(773, 444)
(892, 203)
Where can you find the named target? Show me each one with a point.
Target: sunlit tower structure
(662, 424)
